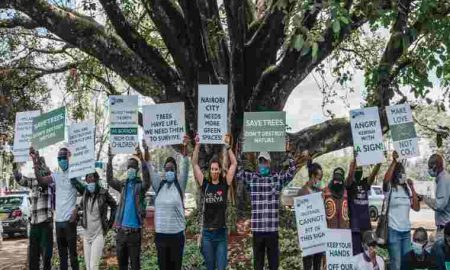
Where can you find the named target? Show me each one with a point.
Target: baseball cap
(339, 173)
(369, 238)
(264, 155)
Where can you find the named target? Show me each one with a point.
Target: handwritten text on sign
(212, 113)
(311, 223)
(403, 131)
(123, 123)
(164, 123)
(22, 135)
(339, 249)
(82, 146)
(264, 131)
(367, 137)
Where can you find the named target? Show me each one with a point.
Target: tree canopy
(262, 48)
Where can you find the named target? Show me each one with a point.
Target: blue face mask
(131, 173)
(91, 187)
(417, 248)
(432, 172)
(263, 170)
(170, 176)
(63, 164)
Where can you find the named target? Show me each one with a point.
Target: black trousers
(128, 248)
(266, 243)
(41, 245)
(170, 250)
(313, 262)
(66, 238)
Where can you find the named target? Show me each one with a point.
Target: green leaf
(336, 26)
(315, 49)
(298, 42)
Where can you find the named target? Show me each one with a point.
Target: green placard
(124, 131)
(403, 131)
(264, 131)
(49, 128)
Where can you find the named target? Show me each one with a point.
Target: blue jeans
(214, 248)
(399, 243)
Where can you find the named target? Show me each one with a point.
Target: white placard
(367, 136)
(212, 113)
(311, 223)
(82, 148)
(123, 117)
(22, 135)
(339, 249)
(164, 124)
(403, 131)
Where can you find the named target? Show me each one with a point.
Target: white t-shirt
(66, 196)
(361, 263)
(399, 209)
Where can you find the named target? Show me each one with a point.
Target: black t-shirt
(427, 261)
(358, 202)
(215, 204)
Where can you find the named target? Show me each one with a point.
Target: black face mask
(358, 176)
(337, 187)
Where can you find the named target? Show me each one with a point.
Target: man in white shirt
(65, 207)
(369, 260)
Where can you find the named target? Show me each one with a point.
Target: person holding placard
(170, 222)
(441, 205)
(129, 217)
(94, 205)
(265, 187)
(65, 206)
(215, 190)
(336, 202)
(358, 188)
(313, 185)
(401, 197)
(41, 221)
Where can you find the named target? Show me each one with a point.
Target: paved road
(13, 254)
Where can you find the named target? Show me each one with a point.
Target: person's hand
(227, 139)
(395, 156)
(197, 139)
(34, 154)
(144, 145)
(138, 152)
(186, 140)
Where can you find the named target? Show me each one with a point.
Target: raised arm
(390, 172)
(233, 165)
(146, 180)
(37, 166)
(115, 184)
(20, 179)
(198, 174)
(373, 174)
(351, 173)
(184, 165)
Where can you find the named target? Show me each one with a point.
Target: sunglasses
(62, 158)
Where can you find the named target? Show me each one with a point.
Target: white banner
(123, 117)
(367, 136)
(22, 135)
(311, 223)
(164, 124)
(82, 148)
(339, 249)
(212, 113)
(403, 131)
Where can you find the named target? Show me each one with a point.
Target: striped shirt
(265, 196)
(41, 199)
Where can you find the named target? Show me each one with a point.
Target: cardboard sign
(339, 249)
(164, 123)
(82, 147)
(212, 113)
(22, 135)
(264, 131)
(403, 131)
(49, 128)
(311, 223)
(367, 136)
(123, 117)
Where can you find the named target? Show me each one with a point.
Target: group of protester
(53, 203)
